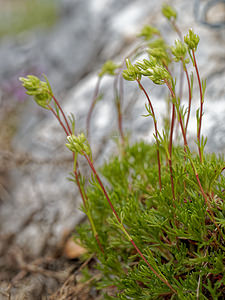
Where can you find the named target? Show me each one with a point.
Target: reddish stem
(58, 118)
(102, 187)
(171, 140)
(208, 204)
(84, 198)
(116, 215)
(172, 129)
(172, 182)
(94, 101)
(79, 187)
(109, 201)
(173, 117)
(181, 81)
(189, 102)
(182, 130)
(179, 117)
(99, 243)
(201, 106)
(150, 267)
(64, 117)
(156, 130)
(75, 172)
(196, 175)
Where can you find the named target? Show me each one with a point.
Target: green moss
(184, 244)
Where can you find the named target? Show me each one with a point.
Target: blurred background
(69, 40)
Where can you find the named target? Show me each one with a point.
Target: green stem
(83, 196)
(88, 213)
(118, 97)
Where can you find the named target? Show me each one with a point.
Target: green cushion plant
(157, 228)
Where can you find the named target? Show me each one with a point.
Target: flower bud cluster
(169, 12)
(191, 40)
(179, 51)
(150, 68)
(40, 90)
(79, 144)
(132, 73)
(148, 31)
(160, 54)
(158, 49)
(108, 68)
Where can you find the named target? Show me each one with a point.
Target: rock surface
(42, 204)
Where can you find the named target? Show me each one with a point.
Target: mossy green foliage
(183, 242)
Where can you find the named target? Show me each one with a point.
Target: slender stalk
(142, 256)
(189, 100)
(102, 186)
(181, 81)
(168, 70)
(79, 187)
(94, 101)
(178, 31)
(196, 175)
(179, 116)
(156, 130)
(171, 141)
(64, 117)
(120, 94)
(172, 128)
(88, 213)
(75, 172)
(176, 28)
(120, 116)
(171, 179)
(58, 118)
(99, 243)
(173, 117)
(83, 197)
(208, 204)
(118, 97)
(194, 169)
(201, 106)
(182, 130)
(122, 226)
